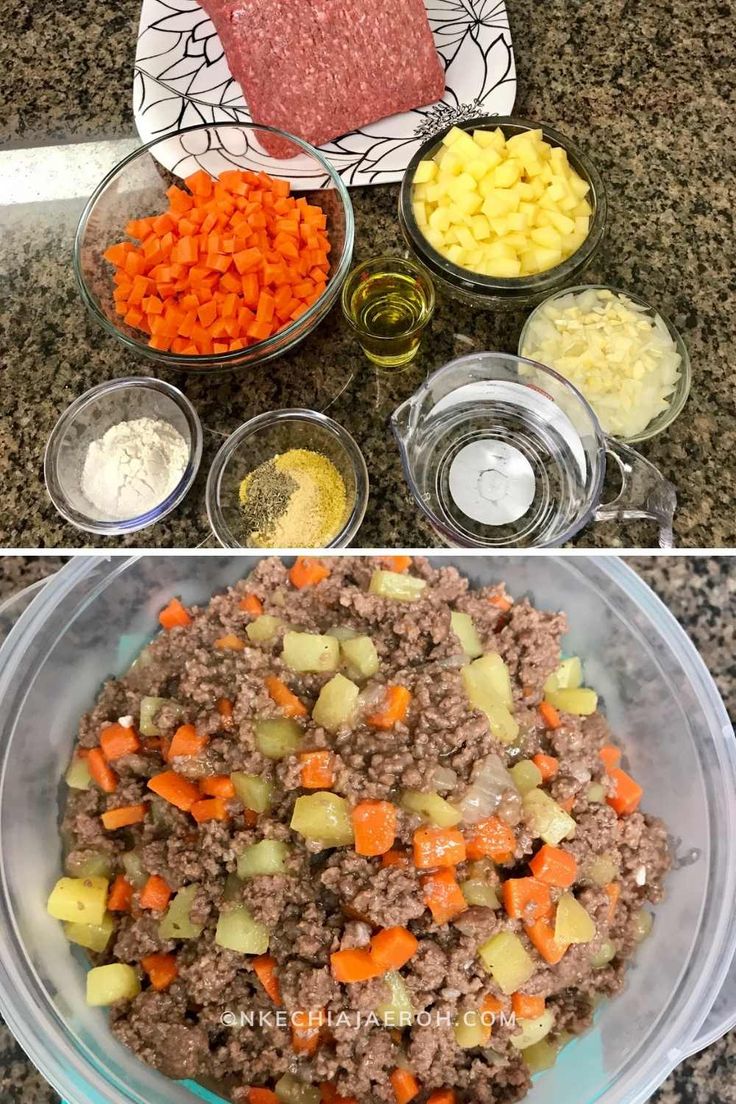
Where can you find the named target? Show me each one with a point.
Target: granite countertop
(643, 85)
(701, 593)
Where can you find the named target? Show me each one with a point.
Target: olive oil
(389, 304)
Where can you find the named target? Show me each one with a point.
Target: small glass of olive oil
(389, 302)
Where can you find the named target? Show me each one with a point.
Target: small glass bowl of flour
(123, 456)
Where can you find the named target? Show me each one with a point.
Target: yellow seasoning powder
(297, 499)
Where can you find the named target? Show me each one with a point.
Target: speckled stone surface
(701, 593)
(644, 86)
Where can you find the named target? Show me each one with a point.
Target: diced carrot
(116, 740)
(542, 936)
(174, 616)
(306, 571)
(210, 808)
(288, 702)
(175, 789)
(395, 857)
(547, 766)
(399, 564)
(554, 867)
(252, 605)
(217, 785)
(354, 964)
(491, 1005)
(200, 184)
(610, 757)
(549, 715)
(393, 947)
(225, 709)
(526, 899)
(442, 1096)
(185, 741)
(100, 771)
(527, 1006)
(155, 894)
(265, 968)
(316, 770)
(500, 602)
(613, 892)
(491, 839)
(393, 711)
(230, 643)
(436, 847)
(626, 793)
(262, 1096)
(374, 827)
(161, 969)
(405, 1086)
(123, 816)
(443, 896)
(120, 896)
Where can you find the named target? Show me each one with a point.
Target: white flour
(133, 466)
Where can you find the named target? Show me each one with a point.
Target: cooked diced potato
(310, 652)
(546, 818)
(177, 923)
(77, 776)
(265, 857)
(94, 937)
(572, 923)
(580, 702)
(337, 703)
(526, 775)
(477, 892)
(79, 900)
(493, 672)
(602, 869)
(470, 1030)
(605, 954)
(149, 710)
(255, 793)
(238, 931)
(643, 924)
(568, 676)
(108, 984)
(396, 1010)
(361, 657)
(533, 1031)
(277, 738)
(290, 1090)
(263, 629)
(324, 818)
(134, 869)
(391, 584)
(596, 793)
(506, 959)
(432, 807)
(540, 1056)
(466, 632)
(488, 689)
(94, 864)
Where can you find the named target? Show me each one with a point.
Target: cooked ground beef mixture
(373, 815)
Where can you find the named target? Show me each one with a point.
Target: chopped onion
(489, 782)
(373, 695)
(443, 779)
(640, 875)
(453, 662)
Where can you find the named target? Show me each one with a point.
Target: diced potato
(108, 984)
(540, 1056)
(396, 1010)
(506, 959)
(263, 629)
(546, 818)
(290, 1090)
(324, 818)
(605, 954)
(526, 775)
(643, 924)
(94, 937)
(277, 738)
(79, 900)
(177, 923)
(477, 892)
(419, 207)
(596, 793)
(425, 171)
(568, 676)
(337, 703)
(361, 656)
(488, 688)
(581, 702)
(238, 931)
(391, 584)
(466, 632)
(265, 857)
(149, 709)
(470, 1030)
(533, 1031)
(77, 776)
(134, 870)
(432, 807)
(494, 672)
(572, 923)
(256, 793)
(602, 869)
(309, 652)
(96, 864)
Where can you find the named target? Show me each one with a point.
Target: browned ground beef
(334, 899)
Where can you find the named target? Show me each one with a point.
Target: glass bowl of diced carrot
(223, 262)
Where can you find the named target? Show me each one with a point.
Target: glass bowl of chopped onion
(202, 252)
(622, 354)
(287, 479)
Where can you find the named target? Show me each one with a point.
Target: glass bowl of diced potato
(502, 210)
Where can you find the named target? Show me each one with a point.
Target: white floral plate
(182, 79)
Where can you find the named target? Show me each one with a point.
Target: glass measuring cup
(500, 452)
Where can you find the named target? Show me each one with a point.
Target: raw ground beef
(335, 899)
(326, 67)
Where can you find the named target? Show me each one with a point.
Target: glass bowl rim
(218, 525)
(682, 389)
(386, 258)
(477, 283)
(263, 350)
(67, 419)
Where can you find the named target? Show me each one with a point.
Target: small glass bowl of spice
(287, 479)
(123, 456)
